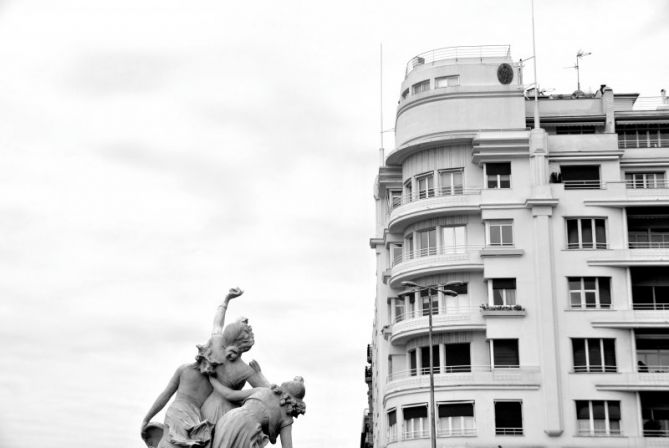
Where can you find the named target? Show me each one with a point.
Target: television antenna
(580, 55)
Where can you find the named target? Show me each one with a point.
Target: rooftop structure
(522, 274)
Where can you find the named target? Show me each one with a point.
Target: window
(429, 297)
(594, 355)
(586, 233)
(450, 181)
(425, 360)
(509, 418)
(427, 242)
(415, 422)
(503, 291)
(598, 418)
(395, 254)
(425, 186)
(420, 87)
(447, 81)
(643, 135)
(400, 308)
(500, 233)
(412, 363)
(394, 198)
(504, 353)
(392, 425)
(458, 358)
(575, 129)
(405, 93)
(408, 244)
(498, 175)
(589, 292)
(456, 419)
(580, 177)
(408, 190)
(453, 239)
(645, 180)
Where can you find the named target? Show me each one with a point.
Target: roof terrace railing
(456, 53)
(650, 102)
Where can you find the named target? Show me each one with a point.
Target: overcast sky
(156, 153)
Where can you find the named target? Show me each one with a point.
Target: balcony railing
(642, 368)
(509, 431)
(503, 372)
(455, 251)
(582, 184)
(650, 306)
(455, 53)
(598, 432)
(419, 434)
(456, 313)
(647, 184)
(656, 433)
(457, 190)
(595, 368)
(646, 240)
(456, 432)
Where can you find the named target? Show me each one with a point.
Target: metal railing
(598, 432)
(419, 434)
(455, 312)
(656, 432)
(509, 431)
(456, 432)
(457, 252)
(645, 240)
(457, 190)
(643, 139)
(456, 53)
(595, 368)
(467, 369)
(582, 184)
(642, 368)
(650, 306)
(647, 184)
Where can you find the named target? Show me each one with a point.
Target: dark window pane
(456, 410)
(595, 355)
(598, 410)
(600, 233)
(504, 283)
(614, 410)
(508, 414)
(414, 412)
(586, 233)
(610, 354)
(605, 292)
(505, 352)
(392, 418)
(578, 347)
(458, 358)
(498, 168)
(582, 410)
(412, 361)
(572, 233)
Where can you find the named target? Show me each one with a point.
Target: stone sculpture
(207, 389)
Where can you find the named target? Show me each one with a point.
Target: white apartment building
(559, 235)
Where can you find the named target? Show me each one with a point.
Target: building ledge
(501, 252)
(504, 313)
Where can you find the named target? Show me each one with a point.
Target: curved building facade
(528, 264)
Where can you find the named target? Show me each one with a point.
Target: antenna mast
(381, 151)
(580, 55)
(537, 125)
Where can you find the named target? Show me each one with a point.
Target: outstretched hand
(234, 292)
(254, 365)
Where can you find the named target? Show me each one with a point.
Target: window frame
(592, 430)
(493, 364)
(420, 87)
(391, 430)
(463, 429)
(498, 179)
(489, 224)
(423, 430)
(453, 189)
(580, 245)
(448, 79)
(502, 431)
(429, 191)
(644, 183)
(588, 366)
(583, 291)
(508, 299)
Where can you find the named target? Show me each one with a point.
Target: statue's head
(291, 395)
(237, 338)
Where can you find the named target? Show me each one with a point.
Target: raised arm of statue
(163, 398)
(231, 394)
(286, 436)
(219, 318)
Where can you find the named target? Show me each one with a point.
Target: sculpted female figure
(222, 353)
(265, 414)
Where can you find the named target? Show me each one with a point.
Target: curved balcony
(446, 54)
(465, 377)
(433, 260)
(456, 319)
(434, 203)
(646, 378)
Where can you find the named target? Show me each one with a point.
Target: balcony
(465, 377)
(415, 323)
(646, 378)
(409, 209)
(440, 56)
(433, 260)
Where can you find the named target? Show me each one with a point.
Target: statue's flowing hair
(291, 394)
